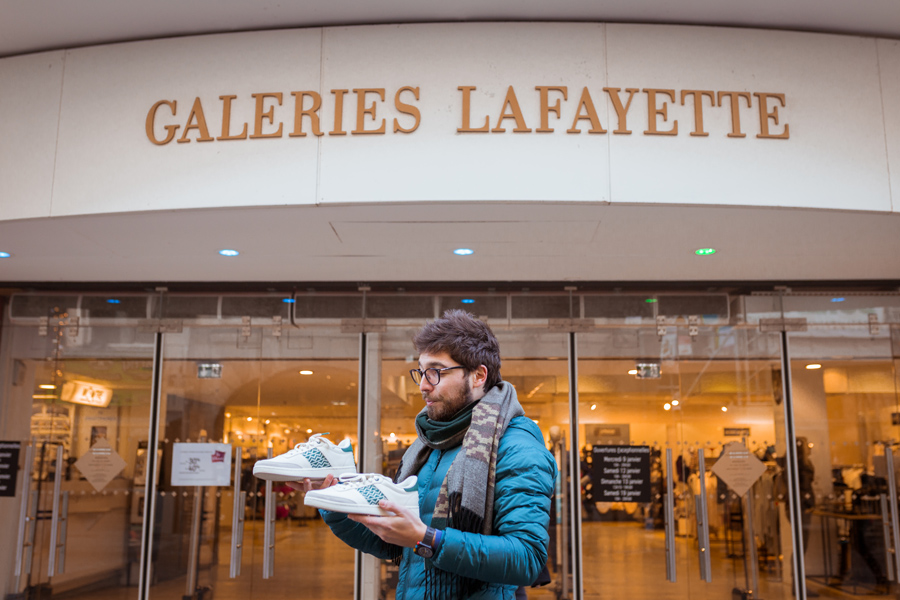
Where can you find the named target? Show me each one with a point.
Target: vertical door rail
(889, 547)
(194, 549)
(237, 518)
(703, 522)
(671, 575)
(57, 541)
(269, 529)
(25, 538)
(577, 566)
(892, 490)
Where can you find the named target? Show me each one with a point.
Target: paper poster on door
(100, 464)
(9, 467)
(205, 464)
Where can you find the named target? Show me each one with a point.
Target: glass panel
(256, 393)
(641, 395)
(80, 398)
(846, 406)
(535, 362)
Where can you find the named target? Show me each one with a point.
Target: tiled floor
(621, 561)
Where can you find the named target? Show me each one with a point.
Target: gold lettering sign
(371, 113)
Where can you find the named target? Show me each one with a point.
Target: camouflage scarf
(466, 498)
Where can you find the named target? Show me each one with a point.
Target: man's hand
(307, 484)
(404, 529)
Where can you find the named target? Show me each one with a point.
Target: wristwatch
(425, 548)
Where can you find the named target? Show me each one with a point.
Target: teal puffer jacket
(516, 551)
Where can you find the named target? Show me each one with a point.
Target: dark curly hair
(467, 340)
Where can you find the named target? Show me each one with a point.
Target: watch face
(423, 550)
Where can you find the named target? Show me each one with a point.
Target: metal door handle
(703, 522)
(25, 518)
(889, 548)
(892, 490)
(63, 530)
(237, 519)
(269, 530)
(670, 520)
(54, 520)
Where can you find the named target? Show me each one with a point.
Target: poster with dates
(621, 473)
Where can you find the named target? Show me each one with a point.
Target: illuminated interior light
(813, 366)
(593, 407)
(724, 409)
(650, 300)
(705, 251)
(289, 300)
(675, 403)
(306, 372)
(838, 299)
(44, 396)
(393, 435)
(5, 254)
(228, 415)
(113, 301)
(463, 251)
(667, 406)
(267, 421)
(467, 301)
(632, 372)
(47, 386)
(228, 252)
(249, 418)
(309, 431)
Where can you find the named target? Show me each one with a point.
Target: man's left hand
(403, 529)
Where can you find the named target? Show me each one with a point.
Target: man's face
(452, 392)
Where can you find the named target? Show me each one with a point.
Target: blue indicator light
(5, 254)
(837, 299)
(289, 300)
(463, 251)
(113, 301)
(467, 301)
(228, 252)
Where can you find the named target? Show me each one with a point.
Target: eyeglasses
(432, 375)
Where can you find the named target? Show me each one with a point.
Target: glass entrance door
(845, 394)
(255, 391)
(77, 410)
(683, 441)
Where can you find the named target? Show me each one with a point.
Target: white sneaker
(314, 459)
(360, 495)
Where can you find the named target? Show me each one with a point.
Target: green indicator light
(650, 300)
(704, 251)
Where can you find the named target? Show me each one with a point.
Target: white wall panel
(30, 88)
(834, 158)
(435, 162)
(889, 65)
(107, 163)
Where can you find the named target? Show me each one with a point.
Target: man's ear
(481, 374)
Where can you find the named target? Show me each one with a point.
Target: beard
(446, 407)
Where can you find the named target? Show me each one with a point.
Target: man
(485, 477)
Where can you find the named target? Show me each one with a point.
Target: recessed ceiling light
(667, 406)
(228, 252)
(305, 372)
(632, 372)
(228, 415)
(593, 407)
(838, 299)
(724, 409)
(289, 300)
(309, 431)
(705, 251)
(249, 418)
(47, 386)
(463, 251)
(5, 254)
(675, 403)
(113, 301)
(467, 301)
(813, 366)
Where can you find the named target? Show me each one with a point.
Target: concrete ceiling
(554, 242)
(27, 26)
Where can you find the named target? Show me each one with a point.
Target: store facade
(582, 160)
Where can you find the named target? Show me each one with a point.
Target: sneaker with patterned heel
(314, 459)
(360, 495)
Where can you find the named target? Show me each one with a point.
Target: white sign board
(100, 464)
(207, 464)
(738, 468)
(83, 392)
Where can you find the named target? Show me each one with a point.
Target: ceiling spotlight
(838, 299)
(228, 252)
(228, 415)
(393, 435)
(463, 251)
(249, 418)
(724, 409)
(593, 407)
(309, 431)
(705, 251)
(5, 254)
(813, 366)
(632, 372)
(675, 403)
(289, 300)
(47, 386)
(113, 301)
(467, 301)
(667, 406)
(306, 372)
(267, 421)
